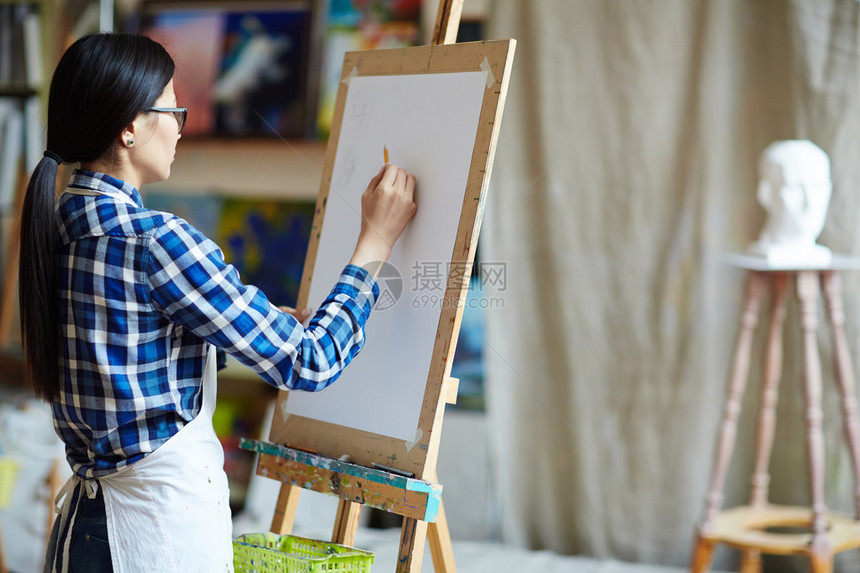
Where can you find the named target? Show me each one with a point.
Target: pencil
(385, 152)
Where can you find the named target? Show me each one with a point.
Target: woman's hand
(300, 315)
(387, 206)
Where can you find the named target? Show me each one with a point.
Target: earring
(130, 141)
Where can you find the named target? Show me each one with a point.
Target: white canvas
(428, 122)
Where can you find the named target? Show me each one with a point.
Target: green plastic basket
(271, 553)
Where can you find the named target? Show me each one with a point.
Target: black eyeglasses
(178, 112)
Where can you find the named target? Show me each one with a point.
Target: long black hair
(101, 84)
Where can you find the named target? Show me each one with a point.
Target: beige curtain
(626, 166)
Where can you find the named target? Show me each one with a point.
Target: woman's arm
(192, 285)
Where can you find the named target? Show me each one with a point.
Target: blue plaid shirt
(142, 296)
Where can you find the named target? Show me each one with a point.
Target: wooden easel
(418, 501)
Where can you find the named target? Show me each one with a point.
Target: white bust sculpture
(795, 191)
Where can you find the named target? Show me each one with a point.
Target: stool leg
(702, 555)
(751, 561)
(769, 392)
(832, 287)
(807, 291)
(821, 563)
(737, 383)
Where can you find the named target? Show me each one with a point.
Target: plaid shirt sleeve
(193, 286)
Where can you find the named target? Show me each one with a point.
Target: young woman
(122, 307)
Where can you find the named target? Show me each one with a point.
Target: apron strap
(63, 505)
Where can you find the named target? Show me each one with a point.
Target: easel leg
(412, 538)
(3, 568)
(346, 522)
(54, 485)
(285, 509)
(440, 544)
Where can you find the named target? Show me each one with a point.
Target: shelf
(13, 91)
(13, 368)
(260, 168)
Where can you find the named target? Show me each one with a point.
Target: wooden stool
(745, 527)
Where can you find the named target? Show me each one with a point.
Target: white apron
(170, 511)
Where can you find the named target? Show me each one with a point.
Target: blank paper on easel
(429, 123)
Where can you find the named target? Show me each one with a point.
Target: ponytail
(37, 279)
